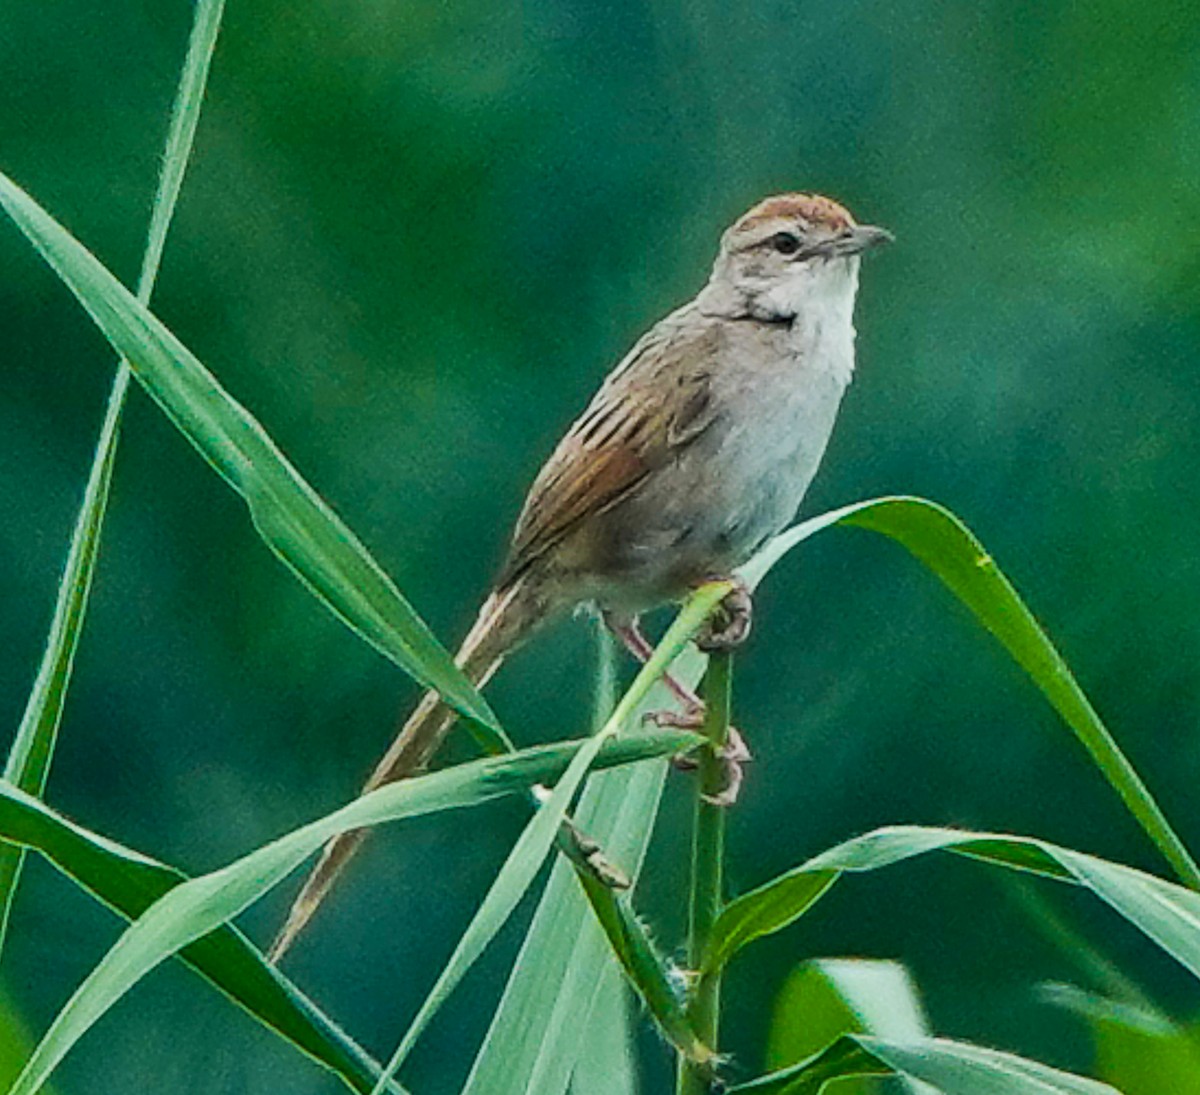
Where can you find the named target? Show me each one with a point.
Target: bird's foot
(691, 716)
(732, 755)
(729, 624)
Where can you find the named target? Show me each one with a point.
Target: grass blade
(289, 515)
(656, 982)
(1167, 913)
(129, 883)
(647, 970)
(560, 974)
(955, 1068)
(560, 971)
(608, 1062)
(29, 759)
(937, 538)
(191, 910)
(537, 839)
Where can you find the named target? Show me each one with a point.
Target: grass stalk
(708, 865)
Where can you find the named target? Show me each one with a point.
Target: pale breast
(742, 480)
(781, 416)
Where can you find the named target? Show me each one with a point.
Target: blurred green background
(413, 239)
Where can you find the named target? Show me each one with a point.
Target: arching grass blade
(954, 1068)
(1166, 912)
(191, 910)
(937, 538)
(290, 516)
(129, 882)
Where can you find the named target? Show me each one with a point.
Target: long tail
(503, 621)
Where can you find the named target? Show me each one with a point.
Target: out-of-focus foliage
(1137, 1047)
(823, 999)
(15, 1044)
(414, 237)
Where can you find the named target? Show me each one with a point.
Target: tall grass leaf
(1166, 912)
(657, 984)
(562, 969)
(954, 1068)
(130, 882)
(537, 839)
(937, 538)
(560, 976)
(290, 516)
(29, 759)
(607, 1062)
(191, 910)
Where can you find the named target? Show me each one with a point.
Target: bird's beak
(860, 238)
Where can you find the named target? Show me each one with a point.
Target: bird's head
(791, 252)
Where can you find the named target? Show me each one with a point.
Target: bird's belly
(720, 500)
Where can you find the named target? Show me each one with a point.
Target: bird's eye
(785, 243)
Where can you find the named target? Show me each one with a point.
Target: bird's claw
(733, 754)
(729, 624)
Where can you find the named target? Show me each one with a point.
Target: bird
(697, 448)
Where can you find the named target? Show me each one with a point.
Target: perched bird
(698, 448)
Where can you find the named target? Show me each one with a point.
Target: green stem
(708, 860)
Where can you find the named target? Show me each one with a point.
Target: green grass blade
(290, 516)
(185, 116)
(129, 882)
(29, 759)
(564, 959)
(608, 1061)
(537, 839)
(937, 538)
(191, 910)
(1166, 912)
(655, 980)
(646, 968)
(558, 979)
(954, 1068)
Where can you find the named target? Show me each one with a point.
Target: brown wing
(656, 401)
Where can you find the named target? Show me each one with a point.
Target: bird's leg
(631, 637)
(735, 753)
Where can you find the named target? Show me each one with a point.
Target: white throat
(821, 300)
(816, 299)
